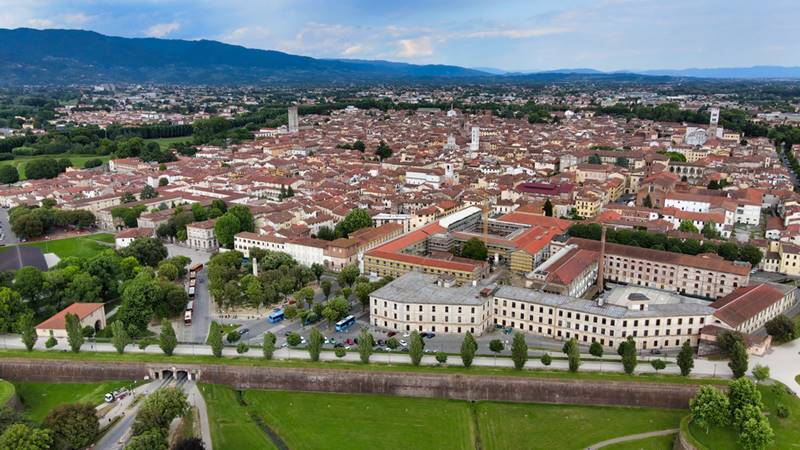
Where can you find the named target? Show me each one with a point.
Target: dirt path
(632, 437)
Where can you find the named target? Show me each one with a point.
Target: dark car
(424, 334)
(287, 332)
(391, 333)
(243, 331)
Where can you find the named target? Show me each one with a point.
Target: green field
(77, 161)
(654, 443)
(353, 421)
(231, 427)
(80, 246)
(166, 142)
(787, 431)
(565, 426)
(6, 391)
(40, 398)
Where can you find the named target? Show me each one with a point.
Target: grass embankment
(787, 431)
(79, 246)
(6, 391)
(377, 367)
(375, 422)
(77, 161)
(39, 398)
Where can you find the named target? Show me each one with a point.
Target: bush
(441, 357)
(596, 350)
(232, 336)
(546, 359)
(146, 342)
(87, 331)
(51, 342)
(340, 352)
(242, 348)
(782, 410)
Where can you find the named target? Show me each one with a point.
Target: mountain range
(34, 57)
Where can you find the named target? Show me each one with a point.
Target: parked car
(424, 334)
(655, 351)
(391, 333)
(405, 335)
(243, 331)
(403, 343)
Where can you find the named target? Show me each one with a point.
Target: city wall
(450, 386)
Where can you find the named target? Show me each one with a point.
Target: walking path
(632, 437)
(196, 398)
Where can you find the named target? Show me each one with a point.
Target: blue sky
(506, 34)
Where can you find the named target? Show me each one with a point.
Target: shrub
(51, 342)
(242, 348)
(340, 352)
(781, 410)
(232, 336)
(546, 359)
(441, 357)
(596, 350)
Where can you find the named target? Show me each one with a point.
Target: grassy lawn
(6, 391)
(80, 246)
(231, 426)
(166, 142)
(451, 370)
(787, 431)
(40, 398)
(363, 421)
(654, 443)
(77, 161)
(503, 425)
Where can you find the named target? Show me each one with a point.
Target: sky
(521, 35)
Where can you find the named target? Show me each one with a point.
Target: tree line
(30, 222)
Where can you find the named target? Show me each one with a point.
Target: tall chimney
(601, 265)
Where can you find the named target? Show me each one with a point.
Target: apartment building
(708, 276)
(749, 308)
(422, 302)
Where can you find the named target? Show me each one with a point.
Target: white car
(403, 342)
(406, 335)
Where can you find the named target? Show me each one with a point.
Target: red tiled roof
(745, 302)
(58, 321)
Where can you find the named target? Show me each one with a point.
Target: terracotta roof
(745, 302)
(58, 321)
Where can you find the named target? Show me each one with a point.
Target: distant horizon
(517, 36)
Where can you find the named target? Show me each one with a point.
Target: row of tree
(31, 222)
(659, 241)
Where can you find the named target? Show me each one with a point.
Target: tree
(392, 343)
(596, 349)
(356, 219)
(760, 372)
(383, 151)
(74, 425)
(127, 197)
(751, 254)
(574, 359)
(27, 330)
(29, 283)
(570, 346)
(441, 357)
(362, 291)
(647, 202)
(415, 348)
(148, 251)
(595, 159)
(23, 437)
(658, 364)
(496, 346)
(167, 340)
(148, 192)
(159, 409)
(365, 344)
(738, 362)
(629, 356)
(74, 334)
(710, 407)
(11, 308)
(139, 298)
(546, 359)
(359, 145)
(150, 440)
(756, 434)
(269, 344)
(326, 288)
(519, 350)
(347, 276)
(226, 228)
(781, 328)
(191, 443)
(741, 393)
(468, 348)
(474, 249)
(245, 217)
(315, 340)
(687, 226)
(293, 339)
(167, 271)
(215, 339)
(8, 174)
(548, 208)
(621, 161)
(119, 336)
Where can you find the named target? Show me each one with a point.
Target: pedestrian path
(632, 437)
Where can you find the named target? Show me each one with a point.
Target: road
(118, 435)
(201, 316)
(5, 229)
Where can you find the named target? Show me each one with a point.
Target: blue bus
(345, 323)
(275, 317)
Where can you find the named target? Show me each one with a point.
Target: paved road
(196, 398)
(5, 229)
(201, 316)
(783, 362)
(118, 435)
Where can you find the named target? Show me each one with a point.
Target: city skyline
(608, 35)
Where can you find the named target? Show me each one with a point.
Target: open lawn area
(537, 426)
(6, 391)
(77, 161)
(231, 427)
(355, 421)
(166, 142)
(40, 398)
(653, 443)
(81, 246)
(787, 431)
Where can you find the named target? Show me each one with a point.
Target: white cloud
(415, 48)
(41, 23)
(248, 35)
(519, 33)
(353, 50)
(162, 29)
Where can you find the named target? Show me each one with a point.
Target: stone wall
(461, 387)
